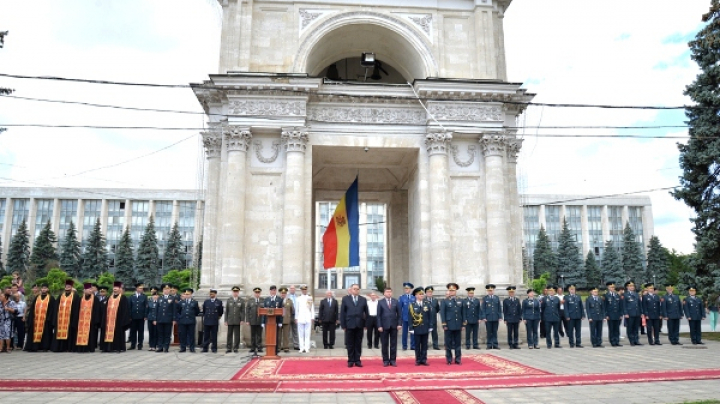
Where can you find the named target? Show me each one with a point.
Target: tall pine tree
(611, 266)
(544, 259)
(44, 253)
(124, 261)
(592, 271)
(569, 260)
(95, 259)
(147, 255)
(18, 257)
(700, 156)
(70, 252)
(174, 257)
(658, 264)
(632, 256)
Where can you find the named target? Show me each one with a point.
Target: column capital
(237, 138)
(513, 149)
(295, 139)
(437, 141)
(212, 140)
(493, 144)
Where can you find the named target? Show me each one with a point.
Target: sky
(615, 52)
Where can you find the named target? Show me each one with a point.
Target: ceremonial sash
(64, 311)
(112, 308)
(41, 306)
(86, 309)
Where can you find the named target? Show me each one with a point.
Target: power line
(609, 195)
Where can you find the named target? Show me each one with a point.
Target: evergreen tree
(19, 251)
(592, 270)
(44, 252)
(700, 156)
(544, 259)
(70, 252)
(569, 260)
(658, 264)
(124, 261)
(632, 259)
(611, 266)
(147, 255)
(174, 257)
(95, 259)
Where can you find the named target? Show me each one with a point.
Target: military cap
(257, 290)
(103, 287)
(87, 285)
(692, 288)
(620, 288)
(303, 287)
(649, 285)
(511, 288)
(165, 286)
(235, 288)
(452, 286)
(629, 283)
(213, 291)
(408, 285)
(470, 289)
(551, 287)
(283, 289)
(669, 285)
(273, 287)
(595, 288)
(530, 290)
(418, 291)
(429, 288)
(489, 286)
(571, 286)
(139, 285)
(609, 283)
(188, 290)
(153, 288)
(117, 284)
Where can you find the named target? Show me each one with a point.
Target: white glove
(412, 332)
(262, 325)
(279, 325)
(430, 329)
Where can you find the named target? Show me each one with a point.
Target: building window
(21, 210)
(163, 225)
(139, 220)
(92, 208)
(573, 216)
(553, 225)
(186, 226)
(115, 228)
(636, 223)
(68, 213)
(595, 234)
(375, 238)
(616, 224)
(531, 227)
(43, 213)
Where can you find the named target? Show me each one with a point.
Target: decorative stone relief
(470, 152)
(437, 142)
(493, 144)
(308, 16)
(212, 142)
(361, 114)
(513, 149)
(295, 139)
(465, 112)
(265, 107)
(424, 22)
(237, 138)
(267, 160)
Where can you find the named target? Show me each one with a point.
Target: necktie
(388, 302)
(355, 300)
(329, 302)
(257, 301)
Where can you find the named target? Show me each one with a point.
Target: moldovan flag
(341, 241)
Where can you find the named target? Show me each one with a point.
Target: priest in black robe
(39, 321)
(89, 319)
(116, 320)
(66, 318)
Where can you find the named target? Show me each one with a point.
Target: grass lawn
(706, 336)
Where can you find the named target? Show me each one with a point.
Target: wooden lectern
(270, 330)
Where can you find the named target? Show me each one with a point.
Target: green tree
(70, 252)
(177, 277)
(124, 260)
(147, 255)
(592, 271)
(700, 156)
(44, 253)
(95, 259)
(544, 259)
(569, 260)
(5, 281)
(611, 266)
(55, 279)
(174, 257)
(679, 265)
(658, 263)
(540, 283)
(632, 257)
(106, 279)
(19, 251)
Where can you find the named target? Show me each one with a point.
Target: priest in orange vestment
(66, 318)
(40, 320)
(116, 320)
(89, 318)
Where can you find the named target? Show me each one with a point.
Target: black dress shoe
(449, 362)
(572, 346)
(558, 346)
(678, 343)
(701, 343)
(638, 344)
(132, 348)
(425, 364)
(358, 364)
(228, 351)
(332, 346)
(159, 350)
(457, 362)
(496, 347)
(182, 350)
(657, 343)
(393, 364)
(417, 363)
(251, 351)
(139, 347)
(579, 346)
(377, 347)
(351, 365)
(236, 351)
(192, 350)
(386, 364)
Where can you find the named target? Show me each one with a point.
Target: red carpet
(434, 397)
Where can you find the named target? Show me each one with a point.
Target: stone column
(494, 148)
(237, 142)
(515, 262)
(437, 144)
(294, 232)
(212, 141)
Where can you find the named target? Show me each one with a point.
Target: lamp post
(562, 281)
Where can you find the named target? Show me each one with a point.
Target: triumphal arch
(413, 100)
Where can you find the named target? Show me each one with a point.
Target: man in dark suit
(165, 318)
(550, 308)
(512, 312)
(613, 314)
(435, 304)
(274, 301)
(138, 305)
(328, 316)
(353, 318)
(389, 321)
(187, 310)
(212, 312)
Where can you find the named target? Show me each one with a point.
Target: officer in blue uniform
(613, 314)
(472, 316)
(632, 310)
(435, 304)
(491, 314)
(212, 311)
(150, 311)
(187, 310)
(138, 307)
(165, 318)
(653, 311)
(672, 312)
(512, 312)
(695, 312)
(574, 314)
(451, 317)
(405, 301)
(550, 307)
(531, 318)
(595, 309)
(422, 322)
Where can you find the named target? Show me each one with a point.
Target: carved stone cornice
(466, 112)
(513, 149)
(212, 140)
(306, 17)
(366, 114)
(424, 22)
(493, 144)
(470, 152)
(295, 139)
(258, 151)
(237, 138)
(267, 107)
(437, 142)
